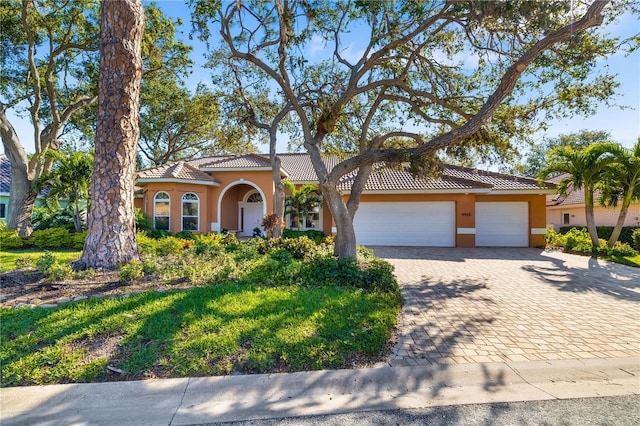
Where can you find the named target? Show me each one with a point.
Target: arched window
(190, 209)
(161, 215)
(254, 198)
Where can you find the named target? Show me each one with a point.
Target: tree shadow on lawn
(204, 331)
(608, 278)
(235, 397)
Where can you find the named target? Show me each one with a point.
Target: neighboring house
(568, 210)
(5, 186)
(463, 208)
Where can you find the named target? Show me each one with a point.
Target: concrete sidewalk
(234, 398)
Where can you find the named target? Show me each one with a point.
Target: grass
(626, 260)
(8, 257)
(204, 331)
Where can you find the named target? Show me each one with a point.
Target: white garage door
(429, 224)
(502, 224)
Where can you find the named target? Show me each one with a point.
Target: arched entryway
(241, 207)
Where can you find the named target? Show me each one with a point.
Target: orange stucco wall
(234, 184)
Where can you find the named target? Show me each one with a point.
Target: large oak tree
(461, 76)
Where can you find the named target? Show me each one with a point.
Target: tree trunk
(77, 220)
(111, 238)
(22, 196)
(278, 187)
(345, 241)
(21, 201)
(621, 218)
(591, 222)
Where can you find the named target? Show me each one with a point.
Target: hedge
(604, 232)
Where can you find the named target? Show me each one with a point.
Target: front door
(250, 217)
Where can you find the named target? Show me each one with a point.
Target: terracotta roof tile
(236, 161)
(179, 170)
(300, 169)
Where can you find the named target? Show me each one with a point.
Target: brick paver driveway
(493, 305)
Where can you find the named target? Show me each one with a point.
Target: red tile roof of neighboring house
(573, 196)
(179, 170)
(299, 168)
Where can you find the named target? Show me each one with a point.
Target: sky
(622, 121)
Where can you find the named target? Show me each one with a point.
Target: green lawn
(626, 260)
(204, 331)
(8, 257)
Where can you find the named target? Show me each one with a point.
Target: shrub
(578, 240)
(298, 247)
(77, 240)
(209, 243)
(604, 232)
(378, 275)
(185, 235)
(45, 262)
(554, 239)
(635, 239)
(146, 244)
(9, 238)
(24, 262)
(59, 272)
(169, 245)
(315, 235)
(51, 238)
(143, 222)
(45, 218)
(618, 249)
(131, 271)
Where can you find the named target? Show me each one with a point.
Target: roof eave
(425, 191)
(176, 180)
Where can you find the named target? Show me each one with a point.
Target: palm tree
(584, 168)
(621, 182)
(69, 179)
(301, 202)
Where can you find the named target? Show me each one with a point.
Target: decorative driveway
(512, 304)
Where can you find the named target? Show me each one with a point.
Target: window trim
(305, 228)
(163, 200)
(197, 216)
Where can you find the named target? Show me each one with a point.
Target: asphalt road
(615, 411)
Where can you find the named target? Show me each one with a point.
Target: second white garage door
(502, 224)
(429, 224)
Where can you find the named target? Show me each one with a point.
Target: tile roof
(299, 168)
(574, 195)
(179, 170)
(5, 174)
(235, 161)
(401, 180)
(498, 181)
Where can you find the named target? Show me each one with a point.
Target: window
(161, 211)
(190, 208)
(3, 211)
(312, 221)
(565, 219)
(254, 198)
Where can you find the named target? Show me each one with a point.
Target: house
(568, 210)
(463, 208)
(5, 186)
